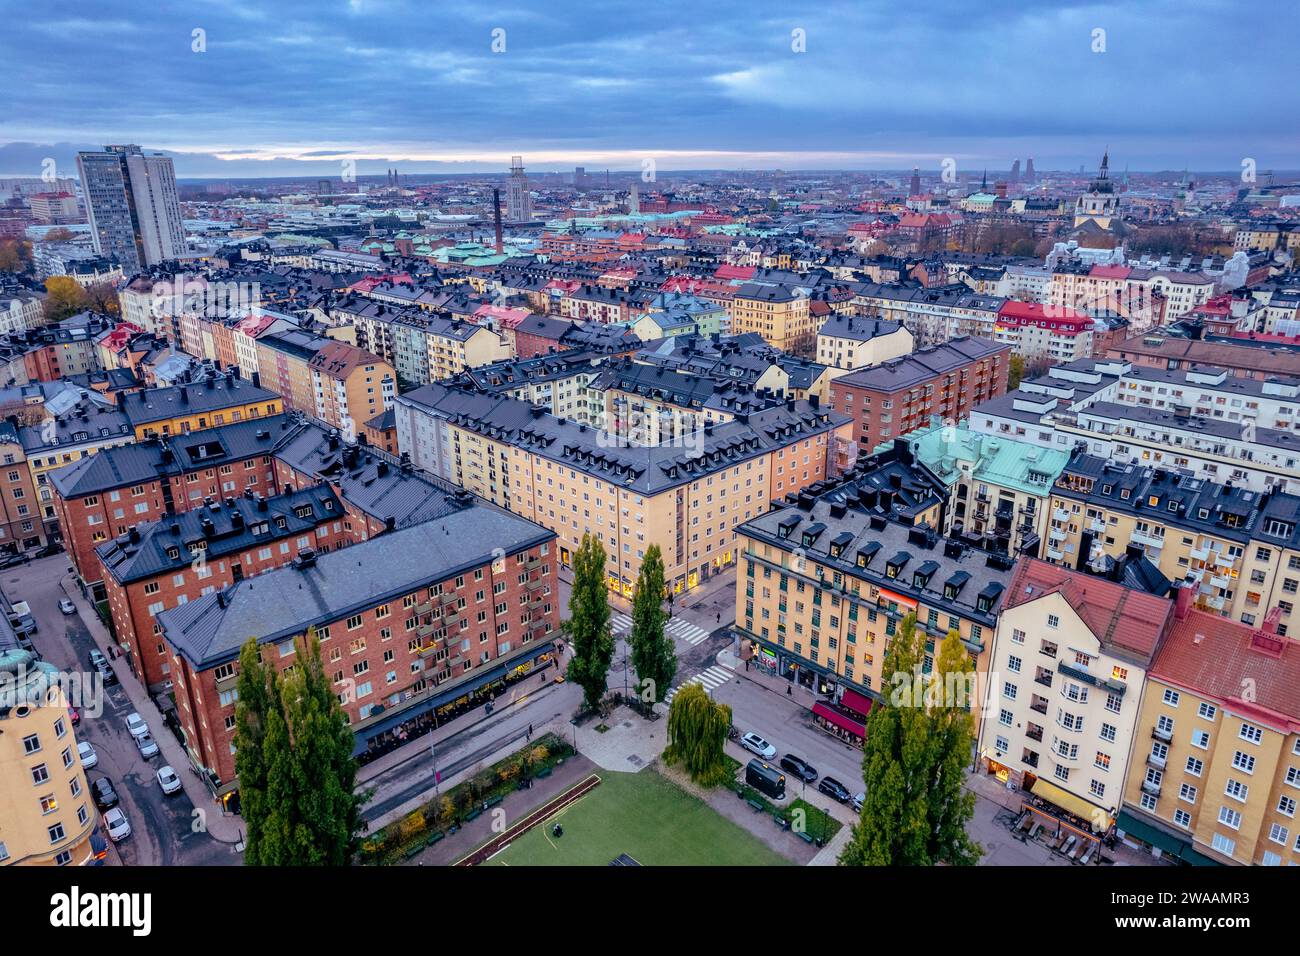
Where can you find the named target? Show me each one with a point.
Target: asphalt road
(165, 831)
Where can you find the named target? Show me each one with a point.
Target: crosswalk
(711, 679)
(676, 627)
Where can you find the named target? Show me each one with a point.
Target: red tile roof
(1222, 659)
(1120, 618)
(1110, 272)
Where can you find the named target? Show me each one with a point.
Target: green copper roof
(955, 452)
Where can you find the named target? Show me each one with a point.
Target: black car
(100, 663)
(105, 796)
(799, 767)
(833, 788)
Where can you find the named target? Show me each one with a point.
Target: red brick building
(891, 399)
(415, 627)
(185, 556)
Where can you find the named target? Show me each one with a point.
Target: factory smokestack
(496, 213)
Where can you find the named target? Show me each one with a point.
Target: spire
(984, 183)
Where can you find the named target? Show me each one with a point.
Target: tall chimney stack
(496, 213)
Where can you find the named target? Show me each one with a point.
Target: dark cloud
(1180, 83)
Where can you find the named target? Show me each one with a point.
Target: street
(165, 831)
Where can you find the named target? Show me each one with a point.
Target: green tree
(697, 731)
(917, 745)
(654, 658)
(302, 808)
(252, 705)
(588, 627)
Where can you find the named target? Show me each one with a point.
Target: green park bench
(805, 836)
(544, 773)
(494, 801)
(758, 807)
(435, 837)
(413, 851)
(473, 814)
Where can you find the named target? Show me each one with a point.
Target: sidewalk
(221, 826)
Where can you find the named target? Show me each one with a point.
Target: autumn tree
(64, 297)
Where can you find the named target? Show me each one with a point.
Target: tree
(64, 297)
(15, 255)
(252, 705)
(588, 624)
(1015, 372)
(917, 744)
(697, 731)
(102, 297)
(654, 658)
(293, 740)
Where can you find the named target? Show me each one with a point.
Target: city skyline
(296, 94)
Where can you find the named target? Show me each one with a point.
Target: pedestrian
(530, 731)
(789, 691)
(719, 617)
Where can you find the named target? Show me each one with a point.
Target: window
(1251, 733)
(1223, 844)
(1187, 793)
(1230, 817)
(1195, 767)
(1243, 762)
(1183, 818)
(1201, 739)
(1278, 833)
(1236, 789)
(1171, 697)
(1053, 621)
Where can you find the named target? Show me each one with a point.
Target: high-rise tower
(519, 201)
(131, 201)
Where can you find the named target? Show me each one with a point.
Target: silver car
(136, 725)
(756, 744)
(148, 746)
(87, 754)
(168, 781)
(117, 825)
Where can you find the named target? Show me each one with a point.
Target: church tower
(1100, 204)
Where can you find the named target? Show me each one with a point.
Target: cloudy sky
(286, 87)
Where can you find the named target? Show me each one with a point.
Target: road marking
(683, 630)
(710, 679)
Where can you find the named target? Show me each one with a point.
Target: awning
(856, 702)
(836, 719)
(1071, 804)
(1157, 837)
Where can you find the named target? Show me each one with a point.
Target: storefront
(838, 722)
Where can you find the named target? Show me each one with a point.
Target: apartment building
(828, 577)
(160, 564)
(413, 623)
(352, 386)
(998, 489)
(779, 313)
(848, 342)
(889, 400)
(180, 409)
(573, 478)
(1051, 334)
(47, 816)
(1215, 773)
(1238, 548)
(1068, 663)
(1158, 349)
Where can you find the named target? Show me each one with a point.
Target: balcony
(1097, 526)
(1060, 514)
(449, 598)
(1035, 733)
(1054, 554)
(423, 608)
(1147, 539)
(1151, 788)
(1039, 706)
(1044, 678)
(1157, 762)
(535, 585)
(1163, 735)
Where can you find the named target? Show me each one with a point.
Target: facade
(184, 556)
(573, 478)
(47, 816)
(411, 624)
(519, 201)
(132, 205)
(780, 314)
(180, 409)
(889, 400)
(846, 342)
(1219, 743)
(1068, 663)
(352, 386)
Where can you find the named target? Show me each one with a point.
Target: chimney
(1183, 601)
(496, 213)
(257, 380)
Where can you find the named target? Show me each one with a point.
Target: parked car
(116, 824)
(24, 625)
(136, 725)
(834, 789)
(67, 607)
(12, 561)
(756, 744)
(49, 549)
(104, 794)
(100, 663)
(96, 658)
(168, 780)
(858, 799)
(74, 715)
(148, 746)
(799, 767)
(87, 754)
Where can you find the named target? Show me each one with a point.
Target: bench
(413, 851)
(473, 814)
(805, 836)
(758, 807)
(543, 773)
(494, 801)
(780, 821)
(435, 837)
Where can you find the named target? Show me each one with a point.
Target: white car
(116, 823)
(87, 754)
(136, 725)
(168, 780)
(67, 607)
(756, 744)
(147, 745)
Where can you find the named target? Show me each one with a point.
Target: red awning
(836, 719)
(856, 702)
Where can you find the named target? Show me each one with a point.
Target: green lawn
(649, 818)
